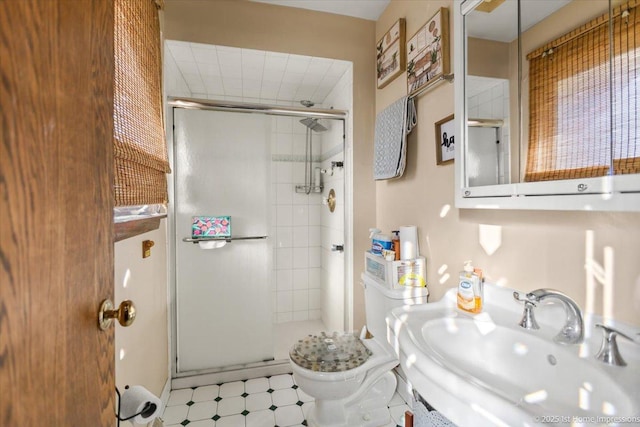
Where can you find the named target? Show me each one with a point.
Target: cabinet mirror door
(550, 97)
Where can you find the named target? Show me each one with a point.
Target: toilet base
(369, 411)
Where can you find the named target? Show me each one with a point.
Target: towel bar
(226, 239)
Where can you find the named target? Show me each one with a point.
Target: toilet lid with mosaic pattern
(337, 352)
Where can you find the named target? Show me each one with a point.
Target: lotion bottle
(469, 290)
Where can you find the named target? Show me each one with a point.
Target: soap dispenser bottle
(469, 290)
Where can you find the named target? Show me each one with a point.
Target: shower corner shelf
(305, 189)
(220, 239)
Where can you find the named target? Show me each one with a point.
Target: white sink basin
(485, 370)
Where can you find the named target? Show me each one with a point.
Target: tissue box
(397, 274)
(211, 226)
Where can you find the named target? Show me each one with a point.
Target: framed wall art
(428, 53)
(390, 54)
(445, 140)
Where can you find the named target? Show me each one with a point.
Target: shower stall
(241, 301)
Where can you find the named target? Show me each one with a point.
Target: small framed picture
(445, 140)
(428, 53)
(390, 56)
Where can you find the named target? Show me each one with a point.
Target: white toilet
(350, 378)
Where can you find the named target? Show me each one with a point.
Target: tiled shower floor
(261, 402)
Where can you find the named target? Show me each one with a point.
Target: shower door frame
(209, 376)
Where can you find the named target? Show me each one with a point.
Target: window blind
(584, 113)
(140, 151)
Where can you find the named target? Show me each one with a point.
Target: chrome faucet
(609, 352)
(573, 330)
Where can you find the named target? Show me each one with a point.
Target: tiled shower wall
(295, 225)
(308, 281)
(492, 102)
(333, 230)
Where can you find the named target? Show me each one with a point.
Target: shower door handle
(337, 248)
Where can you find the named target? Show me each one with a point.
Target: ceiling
(502, 25)
(365, 9)
(219, 72)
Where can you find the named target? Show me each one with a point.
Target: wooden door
(56, 244)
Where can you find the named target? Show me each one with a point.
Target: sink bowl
(485, 370)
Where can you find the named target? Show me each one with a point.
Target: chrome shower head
(313, 124)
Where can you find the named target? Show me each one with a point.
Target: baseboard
(164, 397)
(231, 375)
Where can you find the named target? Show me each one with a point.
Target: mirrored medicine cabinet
(547, 104)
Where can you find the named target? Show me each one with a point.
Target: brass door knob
(126, 313)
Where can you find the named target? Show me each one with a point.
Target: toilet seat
(338, 352)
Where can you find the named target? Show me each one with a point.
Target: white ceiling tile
(338, 68)
(205, 56)
(181, 51)
(236, 98)
(232, 59)
(287, 93)
(188, 67)
(251, 84)
(253, 52)
(298, 63)
(214, 85)
(203, 46)
(319, 65)
(275, 61)
(231, 83)
(321, 93)
(230, 71)
(291, 77)
(252, 93)
(233, 91)
(227, 49)
(175, 43)
(311, 79)
(271, 75)
(270, 85)
(192, 78)
(209, 69)
(251, 73)
(234, 72)
(197, 88)
(253, 60)
(269, 93)
(305, 92)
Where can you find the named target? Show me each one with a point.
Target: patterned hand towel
(393, 124)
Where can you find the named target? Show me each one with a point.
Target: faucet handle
(609, 352)
(528, 320)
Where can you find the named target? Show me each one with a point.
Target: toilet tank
(379, 299)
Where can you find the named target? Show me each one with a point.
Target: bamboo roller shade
(571, 125)
(140, 152)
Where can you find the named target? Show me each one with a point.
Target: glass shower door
(222, 167)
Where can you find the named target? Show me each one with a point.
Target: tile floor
(261, 402)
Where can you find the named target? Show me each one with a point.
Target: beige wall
(244, 24)
(488, 58)
(146, 341)
(537, 249)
